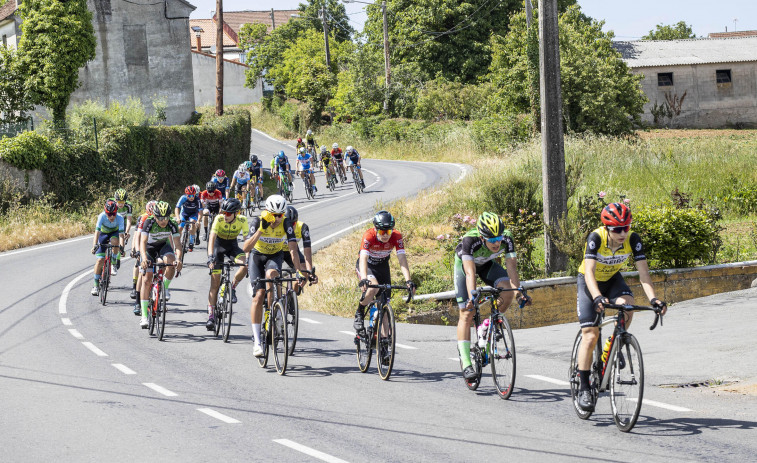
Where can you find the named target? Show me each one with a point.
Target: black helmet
(231, 205)
(292, 215)
(253, 158)
(383, 221)
(210, 186)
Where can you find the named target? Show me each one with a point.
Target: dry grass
(695, 133)
(38, 233)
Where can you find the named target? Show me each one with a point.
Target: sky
(629, 20)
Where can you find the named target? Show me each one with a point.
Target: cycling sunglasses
(384, 232)
(228, 214)
(496, 239)
(619, 229)
(278, 215)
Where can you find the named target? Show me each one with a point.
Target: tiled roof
(647, 53)
(7, 10)
(208, 34)
(714, 35)
(235, 19)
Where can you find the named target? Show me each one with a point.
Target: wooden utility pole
(386, 58)
(219, 57)
(326, 34)
(273, 21)
(553, 149)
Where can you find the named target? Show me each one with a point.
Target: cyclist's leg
(466, 318)
(144, 294)
(256, 265)
(497, 277)
(619, 293)
(168, 257)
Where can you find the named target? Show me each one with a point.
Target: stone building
(697, 83)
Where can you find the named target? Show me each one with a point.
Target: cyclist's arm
(645, 279)
(294, 250)
(233, 182)
(512, 271)
(403, 265)
(257, 225)
(469, 267)
(590, 265)
(363, 265)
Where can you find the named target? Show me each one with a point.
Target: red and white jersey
(377, 251)
(141, 220)
(211, 199)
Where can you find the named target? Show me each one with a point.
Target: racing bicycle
(223, 309)
(156, 312)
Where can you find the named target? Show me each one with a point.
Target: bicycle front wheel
(293, 320)
(160, 322)
(104, 281)
(265, 333)
(385, 342)
(626, 382)
(152, 311)
(279, 337)
(221, 306)
(503, 357)
(226, 318)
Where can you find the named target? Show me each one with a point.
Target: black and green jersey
(159, 235)
(125, 210)
(472, 247)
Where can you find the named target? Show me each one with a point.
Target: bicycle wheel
(265, 333)
(476, 362)
(626, 382)
(104, 281)
(221, 305)
(503, 357)
(226, 319)
(152, 309)
(385, 342)
(160, 322)
(575, 379)
(279, 337)
(293, 320)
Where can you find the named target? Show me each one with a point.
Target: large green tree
(599, 92)
(14, 97)
(680, 30)
(57, 39)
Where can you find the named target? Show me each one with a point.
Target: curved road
(83, 383)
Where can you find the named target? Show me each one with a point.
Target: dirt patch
(740, 388)
(695, 133)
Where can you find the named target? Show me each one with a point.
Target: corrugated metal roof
(732, 34)
(649, 53)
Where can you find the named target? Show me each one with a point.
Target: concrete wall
(234, 91)
(707, 104)
(141, 52)
(31, 182)
(8, 29)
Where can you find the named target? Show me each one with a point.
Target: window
(723, 76)
(664, 79)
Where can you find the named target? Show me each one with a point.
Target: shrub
(26, 151)
(75, 173)
(501, 131)
(511, 193)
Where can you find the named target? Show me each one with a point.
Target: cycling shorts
(214, 208)
(158, 251)
(288, 259)
(490, 273)
(188, 217)
(612, 289)
(258, 264)
(282, 168)
(104, 239)
(225, 248)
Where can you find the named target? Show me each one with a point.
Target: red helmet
(616, 215)
(299, 140)
(111, 207)
(220, 173)
(190, 190)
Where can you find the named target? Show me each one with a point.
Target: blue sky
(629, 20)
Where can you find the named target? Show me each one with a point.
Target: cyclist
(326, 160)
(197, 227)
(221, 181)
(160, 241)
(125, 211)
(354, 159)
(479, 253)
(300, 144)
(223, 242)
(301, 232)
(255, 168)
(239, 181)
(599, 281)
(109, 228)
(280, 165)
(304, 159)
(270, 232)
(372, 266)
(135, 247)
(211, 203)
(312, 145)
(336, 154)
(187, 210)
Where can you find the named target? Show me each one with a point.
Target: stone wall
(234, 91)
(31, 182)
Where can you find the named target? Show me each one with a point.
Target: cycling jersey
(378, 252)
(229, 231)
(311, 140)
(141, 221)
(211, 200)
(472, 247)
(326, 157)
(272, 240)
(222, 185)
(608, 262)
(157, 235)
(106, 226)
(188, 207)
(125, 209)
(300, 145)
(354, 157)
(282, 163)
(256, 171)
(301, 232)
(305, 160)
(337, 154)
(242, 177)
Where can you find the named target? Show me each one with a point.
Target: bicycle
(184, 242)
(384, 338)
(285, 189)
(356, 178)
(498, 347)
(305, 174)
(157, 305)
(330, 179)
(292, 308)
(340, 170)
(622, 372)
(257, 197)
(105, 272)
(223, 310)
(273, 331)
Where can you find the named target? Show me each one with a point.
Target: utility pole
(553, 149)
(326, 34)
(219, 58)
(273, 21)
(386, 58)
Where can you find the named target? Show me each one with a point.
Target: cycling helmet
(324, 148)
(299, 140)
(248, 165)
(190, 190)
(161, 210)
(253, 158)
(281, 154)
(111, 207)
(335, 145)
(302, 150)
(150, 206)
(310, 132)
(489, 225)
(616, 215)
(383, 220)
(349, 149)
(120, 195)
(276, 204)
(242, 167)
(210, 186)
(231, 205)
(292, 214)
(220, 173)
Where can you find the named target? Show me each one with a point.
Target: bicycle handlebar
(624, 307)
(388, 287)
(495, 292)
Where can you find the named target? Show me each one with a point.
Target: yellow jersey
(272, 240)
(230, 231)
(608, 262)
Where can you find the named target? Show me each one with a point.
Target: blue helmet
(281, 153)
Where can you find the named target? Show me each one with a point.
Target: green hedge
(26, 151)
(501, 131)
(383, 130)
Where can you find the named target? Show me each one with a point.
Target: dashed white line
(348, 333)
(75, 333)
(403, 346)
(160, 390)
(308, 320)
(549, 380)
(653, 403)
(456, 359)
(66, 321)
(67, 289)
(124, 369)
(94, 349)
(218, 416)
(309, 451)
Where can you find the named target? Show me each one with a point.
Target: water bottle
(373, 315)
(482, 329)
(606, 349)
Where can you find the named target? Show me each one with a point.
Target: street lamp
(387, 71)
(198, 30)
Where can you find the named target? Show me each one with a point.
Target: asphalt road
(82, 382)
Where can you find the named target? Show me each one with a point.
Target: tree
(336, 14)
(57, 39)
(599, 92)
(680, 30)
(14, 97)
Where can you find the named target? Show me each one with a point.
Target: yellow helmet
(162, 209)
(489, 225)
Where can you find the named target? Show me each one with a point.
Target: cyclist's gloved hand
(94, 248)
(599, 300)
(211, 259)
(524, 300)
(658, 304)
(364, 283)
(134, 253)
(410, 285)
(121, 248)
(267, 218)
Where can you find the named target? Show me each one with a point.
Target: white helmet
(302, 150)
(276, 204)
(324, 148)
(335, 145)
(349, 149)
(310, 132)
(241, 167)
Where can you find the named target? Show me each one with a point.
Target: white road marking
(160, 390)
(549, 380)
(403, 346)
(308, 451)
(340, 232)
(124, 369)
(11, 253)
(66, 321)
(349, 333)
(94, 349)
(67, 289)
(456, 359)
(268, 136)
(218, 416)
(75, 333)
(319, 202)
(308, 320)
(653, 403)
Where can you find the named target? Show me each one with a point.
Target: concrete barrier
(31, 182)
